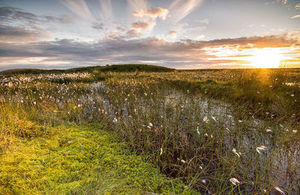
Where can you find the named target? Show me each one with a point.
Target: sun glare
(266, 58)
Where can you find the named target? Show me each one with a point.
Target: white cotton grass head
(214, 118)
(181, 160)
(115, 120)
(198, 130)
(279, 190)
(268, 130)
(235, 152)
(150, 126)
(260, 149)
(205, 119)
(295, 131)
(234, 181)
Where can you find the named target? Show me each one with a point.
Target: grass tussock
(14, 126)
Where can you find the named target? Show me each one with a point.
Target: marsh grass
(203, 127)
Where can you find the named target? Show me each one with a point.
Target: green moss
(79, 159)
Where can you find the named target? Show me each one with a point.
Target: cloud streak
(296, 16)
(179, 9)
(140, 25)
(106, 9)
(137, 27)
(12, 34)
(78, 7)
(137, 4)
(153, 12)
(11, 14)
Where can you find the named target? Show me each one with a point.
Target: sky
(183, 34)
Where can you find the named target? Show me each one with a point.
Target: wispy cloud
(147, 16)
(17, 34)
(173, 34)
(98, 26)
(140, 25)
(204, 21)
(137, 27)
(79, 7)
(137, 4)
(179, 9)
(153, 12)
(296, 16)
(106, 9)
(11, 14)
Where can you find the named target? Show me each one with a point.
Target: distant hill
(107, 68)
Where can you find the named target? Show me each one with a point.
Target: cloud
(296, 16)
(153, 12)
(123, 34)
(121, 28)
(133, 33)
(10, 14)
(200, 37)
(140, 25)
(204, 21)
(137, 4)
(173, 34)
(185, 53)
(116, 35)
(79, 7)
(98, 26)
(17, 25)
(275, 41)
(64, 19)
(106, 9)
(148, 16)
(179, 9)
(10, 34)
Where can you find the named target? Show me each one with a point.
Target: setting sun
(266, 58)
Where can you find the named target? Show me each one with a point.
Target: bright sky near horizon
(185, 34)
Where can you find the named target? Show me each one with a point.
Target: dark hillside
(107, 68)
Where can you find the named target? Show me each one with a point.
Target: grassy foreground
(218, 131)
(78, 159)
